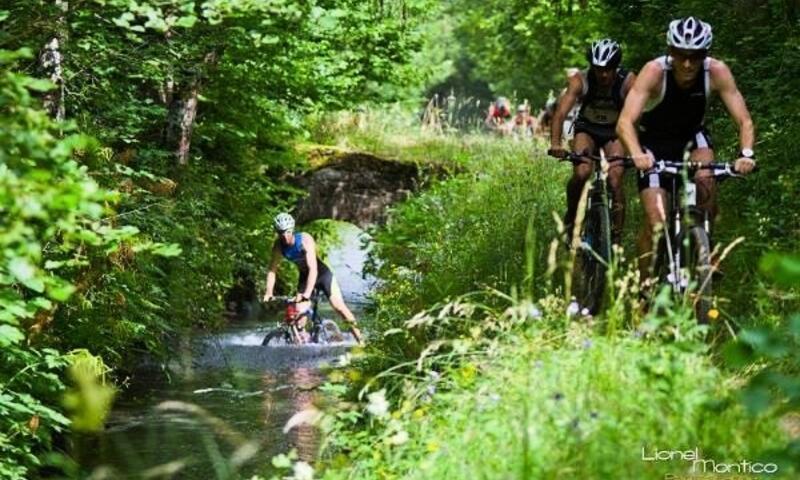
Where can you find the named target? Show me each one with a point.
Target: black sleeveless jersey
(601, 108)
(679, 112)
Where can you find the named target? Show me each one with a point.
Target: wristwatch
(304, 298)
(747, 153)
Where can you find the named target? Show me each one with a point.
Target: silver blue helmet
(604, 53)
(689, 33)
(283, 222)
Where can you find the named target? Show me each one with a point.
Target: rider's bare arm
(628, 84)
(490, 121)
(566, 101)
(646, 86)
(273, 267)
(722, 82)
(310, 246)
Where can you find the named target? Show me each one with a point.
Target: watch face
(747, 152)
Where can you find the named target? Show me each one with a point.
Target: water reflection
(304, 438)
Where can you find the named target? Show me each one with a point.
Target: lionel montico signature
(706, 465)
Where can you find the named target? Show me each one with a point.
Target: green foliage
(774, 385)
(464, 233)
(521, 48)
(89, 399)
(51, 227)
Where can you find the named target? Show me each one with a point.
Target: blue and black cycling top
(296, 254)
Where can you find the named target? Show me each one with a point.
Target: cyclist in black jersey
(670, 96)
(301, 249)
(601, 91)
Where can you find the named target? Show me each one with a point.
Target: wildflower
(344, 360)
(534, 313)
(430, 389)
(587, 344)
(399, 438)
(302, 471)
(573, 308)
(378, 406)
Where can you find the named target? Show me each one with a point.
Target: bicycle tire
(594, 257)
(276, 334)
(696, 258)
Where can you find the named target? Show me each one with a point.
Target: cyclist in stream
(301, 249)
(601, 91)
(670, 96)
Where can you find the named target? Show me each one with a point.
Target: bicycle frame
(595, 235)
(598, 190)
(676, 223)
(289, 327)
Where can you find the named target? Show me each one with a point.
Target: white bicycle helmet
(604, 53)
(283, 222)
(689, 33)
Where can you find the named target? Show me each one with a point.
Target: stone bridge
(355, 187)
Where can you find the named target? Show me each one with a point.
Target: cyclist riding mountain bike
(524, 122)
(601, 90)
(300, 248)
(499, 115)
(670, 96)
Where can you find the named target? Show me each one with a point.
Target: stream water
(227, 398)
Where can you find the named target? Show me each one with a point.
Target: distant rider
(499, 116)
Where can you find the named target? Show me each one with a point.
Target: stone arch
(354, 187)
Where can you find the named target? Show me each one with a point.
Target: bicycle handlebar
(719, 169)
(577, 158)
(281, 299)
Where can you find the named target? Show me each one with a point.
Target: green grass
(582, 406)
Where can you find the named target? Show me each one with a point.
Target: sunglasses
(691, 55)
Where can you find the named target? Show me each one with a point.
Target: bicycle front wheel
(277, 336)
(594, 257)
(695, 261)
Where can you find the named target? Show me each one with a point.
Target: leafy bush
(51, 230)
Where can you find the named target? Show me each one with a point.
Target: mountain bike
(683, 254)
(316, 329)
(594, 249)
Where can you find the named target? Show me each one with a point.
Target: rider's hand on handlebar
(267, 297)
(644, 161)
(557, 152)
(744, 165)
(299, 298)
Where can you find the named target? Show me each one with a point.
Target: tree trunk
(182, 112)
(51, 63)
(180, 121)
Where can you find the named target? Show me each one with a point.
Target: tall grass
(547, 404)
